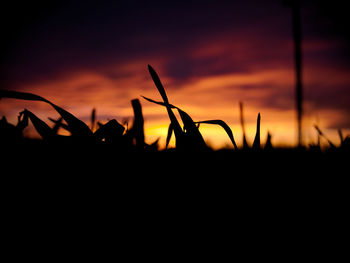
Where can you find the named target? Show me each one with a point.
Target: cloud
(209, 55)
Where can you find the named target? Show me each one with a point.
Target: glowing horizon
(209, 55)
(203, 98)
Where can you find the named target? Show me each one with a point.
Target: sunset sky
(210, 55)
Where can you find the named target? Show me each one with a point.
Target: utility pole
(298, 66)
(296, 22)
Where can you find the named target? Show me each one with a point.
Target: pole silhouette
(298, 65)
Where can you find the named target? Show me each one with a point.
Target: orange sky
(204, 98)
(209, 55)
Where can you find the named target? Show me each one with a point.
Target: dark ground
(82, 202)
(35, 157)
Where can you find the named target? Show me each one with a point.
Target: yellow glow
(158, 131)
(204, 98)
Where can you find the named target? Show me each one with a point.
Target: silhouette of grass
(77, 127)
(245, 143)
(190, 138)
(225, 127)
(324, 136)
(114, 137)
(256, 143)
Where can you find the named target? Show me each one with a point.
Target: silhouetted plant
(41, 127)
(268, 144)
(188, 138)
(245, 143)
(344, 142)
(93, 119)
(10, 132)
(324, 136)
(137, 129)
(77, 127)
(256, 143)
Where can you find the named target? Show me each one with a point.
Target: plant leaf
(112, 131)
(245, 143)
(160, 103)
(93, 119)
(41, 127)
(168, 137)
(268, 144)
(225, 127)
(324, 136)
(177, 128)
(59, 124)
(189, 124)
(138, 124)
(256, 143)
(194, 137)
(21, 95)
(158, 84)
(341, 137)
(77, 127)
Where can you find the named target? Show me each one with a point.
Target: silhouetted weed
(114, 138)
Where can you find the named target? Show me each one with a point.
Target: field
(105, 176)
(99, 146)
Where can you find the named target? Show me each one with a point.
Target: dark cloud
(51, 39)
(183, 40)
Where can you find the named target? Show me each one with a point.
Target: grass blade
(160, 103)
(168, 137)
(324, 136)
(40, 126)
(176, 126)
(318, 130)
(77, 127)
(112, 132)
(256, 143)
(158, 84)
(189, 124)
(93, 119)
(194, 137)
(341, 137)
(268, 144)
(138, 125)
(225, 127)
(245, 143)
(58, 124)
(22, 123)
(21, 95)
